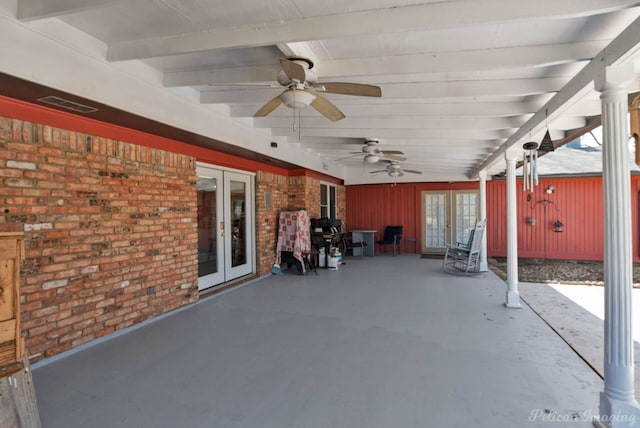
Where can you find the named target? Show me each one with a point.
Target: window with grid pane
(436, 220)
(466, 207)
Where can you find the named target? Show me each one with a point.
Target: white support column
(484, 266)
(513, 297)
(618, 407)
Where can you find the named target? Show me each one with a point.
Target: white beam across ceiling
(30, 10)
(415, 144)
(396, 19)
(627, 43)
(445, 134)
(423, 90)
(462, 61)
(451, 122)
(396, 123)
(298, 49)
(223, 76)
(427, 154)
(485, 109)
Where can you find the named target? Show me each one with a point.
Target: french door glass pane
(466, 204)
(436, 220)
(239, 223)
(207, 221)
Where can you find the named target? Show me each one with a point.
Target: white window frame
(328, 209)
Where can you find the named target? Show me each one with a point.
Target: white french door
(225, 225)
(447, 217)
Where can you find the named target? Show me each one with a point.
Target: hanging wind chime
(530, 166)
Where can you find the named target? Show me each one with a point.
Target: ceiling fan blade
(377, 172)
(327, 109)
(250, 84)
(394, 157)
(358, 89)
(393, 152)
(268, 107)
(293, 70)
(412, 171)
(353, 155)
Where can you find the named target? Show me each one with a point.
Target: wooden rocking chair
(466, 257)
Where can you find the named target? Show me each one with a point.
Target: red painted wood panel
(576, 202)
(375, 206)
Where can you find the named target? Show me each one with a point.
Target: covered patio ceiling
(461, 80)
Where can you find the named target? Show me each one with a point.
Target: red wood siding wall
(576, 202)
(375, 206)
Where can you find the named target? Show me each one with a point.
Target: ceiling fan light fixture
(297, 99)
(394, 173)
(371, 158)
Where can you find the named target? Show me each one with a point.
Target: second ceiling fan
(302, 88)
(394, 170)
(372, 153)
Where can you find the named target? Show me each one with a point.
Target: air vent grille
(69, 105)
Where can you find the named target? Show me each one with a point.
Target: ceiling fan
(373, 154)
(302, 87)
(394, 170)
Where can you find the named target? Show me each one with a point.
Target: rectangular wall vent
(69, 105)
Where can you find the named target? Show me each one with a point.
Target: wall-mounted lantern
(557, 226)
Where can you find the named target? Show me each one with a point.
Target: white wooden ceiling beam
(426, 144)
(409, 144)
(31, 10)
(396, 19)
(327, 140)
(395, 123)
(478, 109)
(461, 61)
(223, 76)
(621, 47)
(298, 49)
(424, 90)
(415, 155)
(465, 110)
(395, 133)
(427, 122)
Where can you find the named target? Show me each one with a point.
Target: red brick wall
(275, 187)
(287, 194)
(110, 232)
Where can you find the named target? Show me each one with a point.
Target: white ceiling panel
(461, 80)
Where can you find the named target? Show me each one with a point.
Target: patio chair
(466, 257)
(349, 244)
(392, 236)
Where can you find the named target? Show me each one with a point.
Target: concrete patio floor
(576, 313)
(381, 342)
